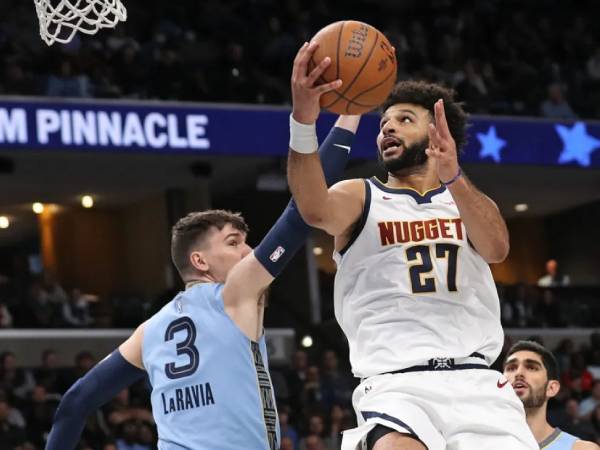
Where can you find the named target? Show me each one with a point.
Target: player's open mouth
(520, 387)
(390, 145)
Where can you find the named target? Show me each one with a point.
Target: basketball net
(60, 22)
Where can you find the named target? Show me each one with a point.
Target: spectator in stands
(287, 430)
(96, 429)
(316, 427)
(54, 291)
(146, 435)
(10, 435)
(312, 391)
(65, 83)
(6, 319)
(313, 442)
(337, 384)
(15, 380)
(296, 376)
(577, 378)
(287, 444)
(15, 416)
(340, 419)
(28, 446)
(121, 410)
(589, 404)
(42, 312)
(593, 66)
(76, 312)
(39, 412)
(111, 445)
(574, 424)
(129, 439)
(49, 374)
(555, 106)
(553, 277)
(563, 352)
(471, 87)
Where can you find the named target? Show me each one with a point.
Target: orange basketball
(363, 58)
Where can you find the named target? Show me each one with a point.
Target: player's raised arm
(251, 276)
(336, 209)
(484, 223)
(103, 382)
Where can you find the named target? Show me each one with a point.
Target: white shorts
(471, 409)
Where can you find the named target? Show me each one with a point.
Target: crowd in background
(503, 57)
(313, 394)
(41, 302)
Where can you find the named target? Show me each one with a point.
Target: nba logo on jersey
(279, 251)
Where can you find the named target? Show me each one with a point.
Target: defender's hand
(442, 147)
(305, 95)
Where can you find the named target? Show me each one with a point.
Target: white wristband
(303, 138)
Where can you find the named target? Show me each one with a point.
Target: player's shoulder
(585, 445)
(351, 183)
(349, 192)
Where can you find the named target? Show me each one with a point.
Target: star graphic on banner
(491, 144)
(577, 144)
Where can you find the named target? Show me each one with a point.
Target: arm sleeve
(290, 232)
(90, 392)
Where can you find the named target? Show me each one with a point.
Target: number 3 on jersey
(420, 282)
(185, 347)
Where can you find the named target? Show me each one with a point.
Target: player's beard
(536, 398)
(412, 157)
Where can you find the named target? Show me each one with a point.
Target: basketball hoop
(61, 19)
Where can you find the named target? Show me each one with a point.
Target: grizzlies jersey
(210, 383)
(558, 440)
(410, 287)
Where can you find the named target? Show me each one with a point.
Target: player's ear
(198, 261)
(553, 388)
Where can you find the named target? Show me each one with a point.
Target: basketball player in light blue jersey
(533, 372)
(204, 352)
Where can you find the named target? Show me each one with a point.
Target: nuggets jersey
(210, 383)
(558, 440)
(410, 287)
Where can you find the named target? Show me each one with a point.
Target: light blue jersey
(558, 440)
(211, 387)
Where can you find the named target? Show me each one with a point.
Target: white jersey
(410, 287)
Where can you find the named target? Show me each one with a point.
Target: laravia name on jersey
(188, 397)
(399, 232)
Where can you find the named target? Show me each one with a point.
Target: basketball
(365, 61)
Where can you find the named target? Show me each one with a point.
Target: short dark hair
(548, 359)
(426, 94)
(194, 228)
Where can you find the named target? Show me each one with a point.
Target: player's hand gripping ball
(363, 58)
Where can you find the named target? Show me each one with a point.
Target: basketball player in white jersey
(533, 373)
(413, 291)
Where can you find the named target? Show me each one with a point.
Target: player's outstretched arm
(484, 223)
(249, 278)
(332, 210)
(105, 380)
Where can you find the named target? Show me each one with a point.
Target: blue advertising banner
(115, 126)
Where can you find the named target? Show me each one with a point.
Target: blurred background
(105, 142)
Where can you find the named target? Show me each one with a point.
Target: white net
(61, 19)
